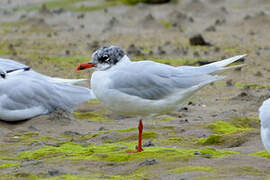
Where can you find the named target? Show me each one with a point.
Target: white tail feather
(226, 62)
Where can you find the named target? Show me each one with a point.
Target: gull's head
(104, 58)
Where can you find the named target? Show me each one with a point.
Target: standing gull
(25, 93)
(146, 87)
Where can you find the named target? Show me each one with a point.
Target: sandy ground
(55, 38)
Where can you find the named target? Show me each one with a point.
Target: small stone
(54, 172)
(148, 144)
(101, 128)
(44, 9)
(32, 128)
(247, 17)
(133, 50)
(223, 9)
(243, 94)
(184, 109)
(190, 103)
(197, 153)
(148, 162)
(67, 52)
(196, 54)
(217, 49)
(72, 133)
(229, 83)
(208, 156)
(161, 51)
(93, 45)
(80, 16)
(211, 29)
(258, 73)
(220, 22)
(198, 40)
(121, 148)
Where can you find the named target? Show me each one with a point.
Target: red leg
(140, 128)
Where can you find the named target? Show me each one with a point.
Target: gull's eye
(104, 58)
(3, 75)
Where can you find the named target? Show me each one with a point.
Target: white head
(104, 58)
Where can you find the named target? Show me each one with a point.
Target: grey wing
(8, 64)
(150, 80)
(21, 92)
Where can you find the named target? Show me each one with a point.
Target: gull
(25, 93)
(264, 115)
(145, 87)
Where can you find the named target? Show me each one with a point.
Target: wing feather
(150, 80)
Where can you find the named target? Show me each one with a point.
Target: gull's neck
(124, 60)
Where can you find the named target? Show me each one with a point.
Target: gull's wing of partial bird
(24, 97)
(264, 114)
(8, 64)
(154, 81)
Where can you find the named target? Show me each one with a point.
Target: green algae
(4, 50)
(124, 130)
(9, 165)
(181, 170)
(250, 170)
(217, 153)
(264, 154)
(90, 116)
(223, 127)
(167, 118)
(230, 132)
(90, 177)
(252, 86)
(165, 23)
(212, 139)
(113, 153)
(93, 101)
(69, 5)
(178, 140)
(246, 122)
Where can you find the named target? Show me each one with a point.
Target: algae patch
(191, 168)
(264, 154)
(90, 116)
(9, 165)
(232, 132)
(223, 127)
(114, 153)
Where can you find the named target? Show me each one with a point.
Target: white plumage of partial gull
(264, 115)
(25, 93)
(146, 87)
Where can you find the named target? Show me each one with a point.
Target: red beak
(85, 65)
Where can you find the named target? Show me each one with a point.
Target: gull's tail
(67, 96)
(219, 66)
